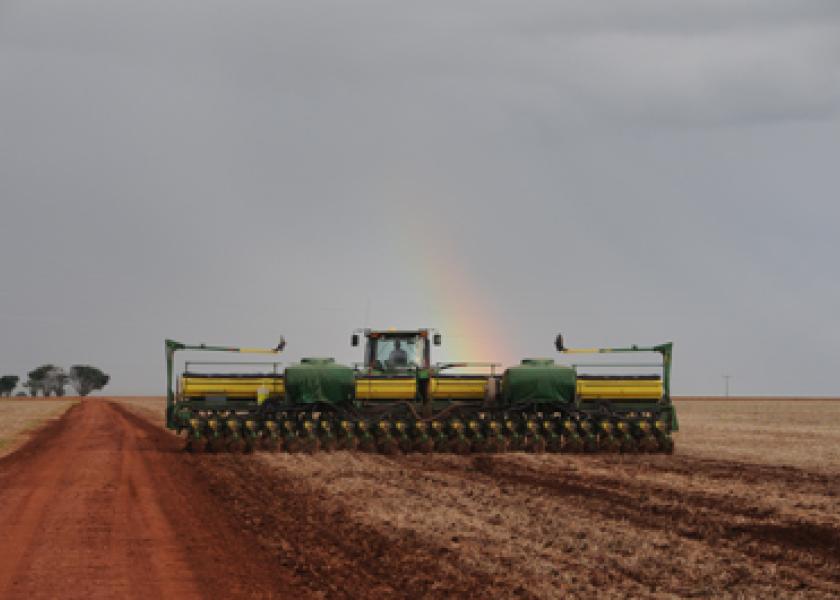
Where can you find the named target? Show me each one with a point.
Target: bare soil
(104, 503)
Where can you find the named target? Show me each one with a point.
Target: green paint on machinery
(539, 380)
(319, 381)
(397, 399)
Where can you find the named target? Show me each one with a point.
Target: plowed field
(103, 503)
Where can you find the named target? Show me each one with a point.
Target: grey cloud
(223, 172)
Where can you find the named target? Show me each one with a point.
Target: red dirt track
(101, 504)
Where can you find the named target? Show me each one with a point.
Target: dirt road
(99, 505)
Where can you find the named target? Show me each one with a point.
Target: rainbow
(454, 302)
(458, 308)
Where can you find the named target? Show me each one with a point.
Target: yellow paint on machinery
(386, 388)
(619, 389)
(232, 387)
(457, 388)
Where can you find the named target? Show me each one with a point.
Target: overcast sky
(224, 172)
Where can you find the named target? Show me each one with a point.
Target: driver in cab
(398, 357)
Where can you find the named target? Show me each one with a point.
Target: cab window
(399, 352)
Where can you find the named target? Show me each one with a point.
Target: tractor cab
(397, 367)
(394, 351)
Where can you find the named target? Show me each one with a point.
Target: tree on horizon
(7, 384)
(86, 379)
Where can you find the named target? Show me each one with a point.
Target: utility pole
(726, 379)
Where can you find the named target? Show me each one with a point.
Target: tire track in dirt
(683, 506)
(805, 552)
(742, 472)
(634, 490)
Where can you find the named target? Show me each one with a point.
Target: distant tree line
(50, 380)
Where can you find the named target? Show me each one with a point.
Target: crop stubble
(19, 417)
